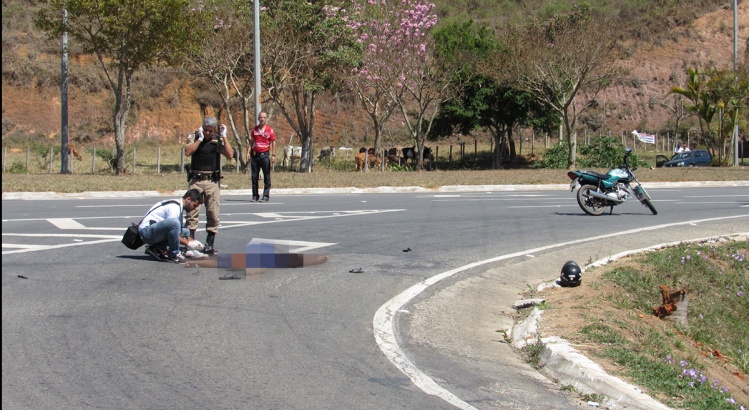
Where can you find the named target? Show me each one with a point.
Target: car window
(682, 155)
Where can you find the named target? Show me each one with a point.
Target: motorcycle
(598, 191)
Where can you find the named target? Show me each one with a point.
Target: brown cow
(368, 154)
(72, 149)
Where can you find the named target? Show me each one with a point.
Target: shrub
(555, 157)
(16, 168)
(604, 152)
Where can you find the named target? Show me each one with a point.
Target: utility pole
(64, 92)
(256, 51)
(735, 132)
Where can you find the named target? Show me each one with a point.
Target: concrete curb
(562, 363)
(352, 190)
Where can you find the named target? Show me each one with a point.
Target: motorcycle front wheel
(589, 204)
(650, 206)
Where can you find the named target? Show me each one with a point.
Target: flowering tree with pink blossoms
(373, 23)
(398, 67)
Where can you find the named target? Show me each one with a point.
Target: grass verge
(701, 365)
(174, 181)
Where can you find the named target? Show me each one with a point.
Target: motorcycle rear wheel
(589, 204)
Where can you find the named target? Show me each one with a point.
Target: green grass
(716, 276)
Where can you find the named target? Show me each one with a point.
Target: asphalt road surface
(88, 323)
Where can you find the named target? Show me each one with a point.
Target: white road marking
(66, 245)
(78, 219)
(543, 206)
(73, 224)
(384, 324)
(61, 235)
(21, 246)
(301, 246)
(713, 196)
(701, 202)
(109, 206)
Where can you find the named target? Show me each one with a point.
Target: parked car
(661, 160)
(695, 158)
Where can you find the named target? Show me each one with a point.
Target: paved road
(97, 325)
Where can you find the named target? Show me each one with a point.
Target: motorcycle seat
(596, 174)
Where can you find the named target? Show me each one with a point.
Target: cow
(72, 149)
(290, 153)
(359, 160)
(393, 158)
(327, 152)
(410, 153)
(368, 154)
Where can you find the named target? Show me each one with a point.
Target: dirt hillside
(631, 103)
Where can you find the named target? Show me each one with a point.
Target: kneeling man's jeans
(165, 233)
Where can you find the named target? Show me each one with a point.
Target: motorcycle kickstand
(611, 208)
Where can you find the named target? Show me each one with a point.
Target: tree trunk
(122, 109)
(511, 145)
(571, 141)
(497, 154)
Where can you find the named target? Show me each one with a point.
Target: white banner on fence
(647, 138)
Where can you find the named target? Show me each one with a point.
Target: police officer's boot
(208, 249)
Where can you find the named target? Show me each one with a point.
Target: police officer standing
(205, 147)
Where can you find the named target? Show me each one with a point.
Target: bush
(555, 157)
(602, 152)
(16, 168)
(340, 165)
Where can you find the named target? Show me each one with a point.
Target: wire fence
(150, 159)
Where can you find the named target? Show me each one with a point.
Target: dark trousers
(260, 162)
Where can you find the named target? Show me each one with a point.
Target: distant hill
(664, 39)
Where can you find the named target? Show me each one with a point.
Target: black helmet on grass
(570, 275)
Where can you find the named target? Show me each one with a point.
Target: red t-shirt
(262, 138)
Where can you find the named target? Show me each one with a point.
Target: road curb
(352, 190)
(561, 362)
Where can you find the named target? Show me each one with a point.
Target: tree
(307, 49)
(226, 61)
(715, 91)
(556, 59)
(484, 101)
(125, 36)
(423, 82)
(371, 81)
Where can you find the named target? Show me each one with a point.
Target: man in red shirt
(261, 151)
